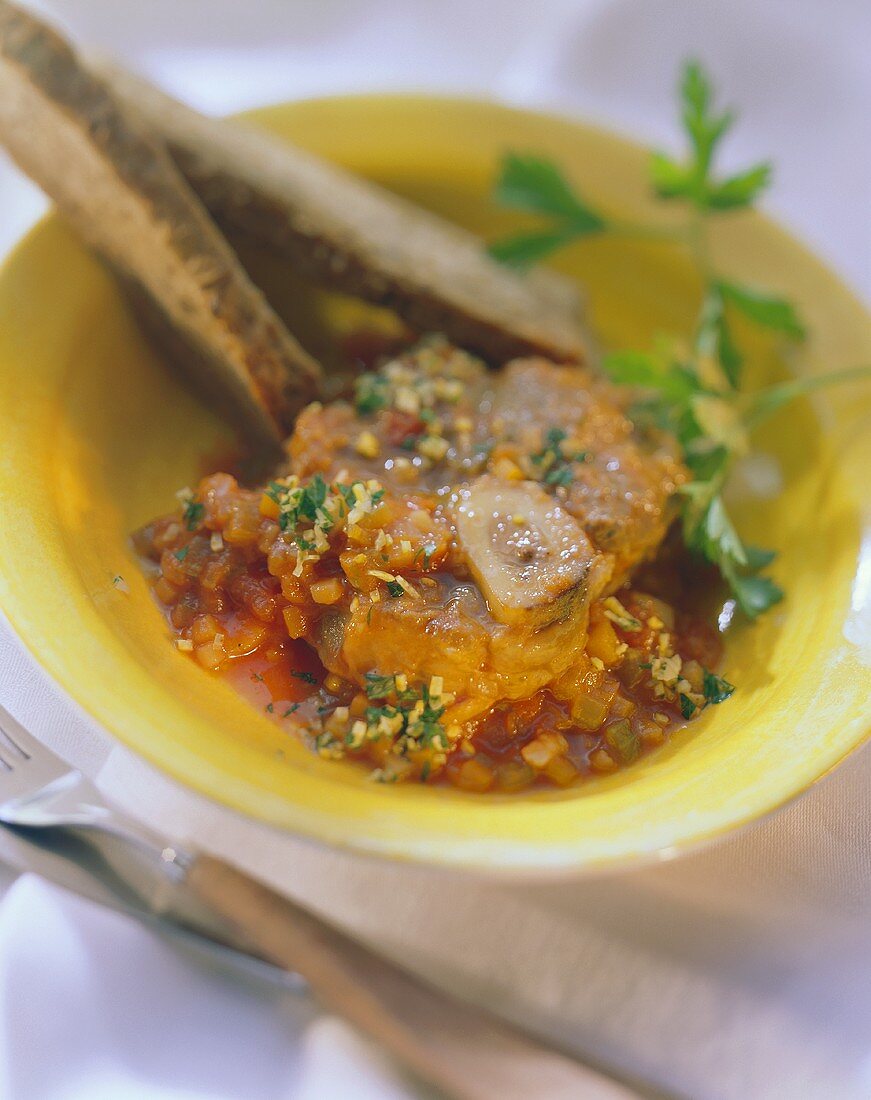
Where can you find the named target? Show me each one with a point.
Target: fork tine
(14, 738)
(9, 746)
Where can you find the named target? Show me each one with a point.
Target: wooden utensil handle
(446, 1043)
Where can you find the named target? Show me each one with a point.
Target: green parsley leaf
(714, 337)
(670, 180)
(270, 707)
(312, 498)
(181, 554)
(687, 706)
(536, 185)
(395, 588)
(551, 449)
(715, 688)
(648, 371)
(193, 514)
(525, 249)
(757, 558)
(766, 310)
(379, 687)
(754, 594)
(715, 536)
(291, 710)
(740, 190)
(561, 476)
(346, 492)
(555, 466)
(710, 532)
(703, 127)
(372, 392)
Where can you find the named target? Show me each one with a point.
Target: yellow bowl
(97, 436)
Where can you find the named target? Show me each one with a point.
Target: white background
(741, 972)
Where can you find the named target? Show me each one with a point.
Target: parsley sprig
(695, 393)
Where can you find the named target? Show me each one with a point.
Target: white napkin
(92, 1005)
(740, 972)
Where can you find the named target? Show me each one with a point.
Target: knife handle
(446, 1043)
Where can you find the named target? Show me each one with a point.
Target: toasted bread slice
(122, 193)
(351, 235)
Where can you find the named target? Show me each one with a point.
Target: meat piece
(121, 192)
(432, 387)
(617, 481)
(517, 623)
(359, 238)
(530, 559)
(622, 493)
(451, 633)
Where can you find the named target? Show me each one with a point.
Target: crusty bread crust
(351, 235)
(121, 192)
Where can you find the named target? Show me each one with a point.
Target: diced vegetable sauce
(447, 596)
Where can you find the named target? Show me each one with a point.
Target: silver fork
(446, 1043)
(39, 790)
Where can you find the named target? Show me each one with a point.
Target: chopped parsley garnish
(687, 706)
(715, 688)
(181, 554)
(372, 392)
(694, 394)
(425, 553)
(553, 466)
(306, 677)
(257, 677)
(317, 506)
(291, 710)
(302, 502)
(379, 687)
(346, 494)
(409, 715)
(270, 707)
(551, 449)
(192, 514)
(395, 588)
(562, 476)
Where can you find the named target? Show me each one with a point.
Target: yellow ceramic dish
(97, 435)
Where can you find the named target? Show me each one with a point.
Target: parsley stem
(697, 235)
(673, 234)
(765, 402)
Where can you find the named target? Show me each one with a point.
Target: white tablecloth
(741, 972)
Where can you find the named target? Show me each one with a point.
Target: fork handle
(445, 1042)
